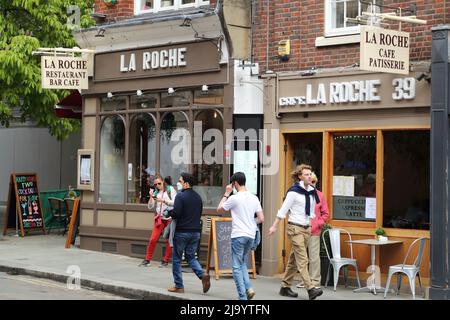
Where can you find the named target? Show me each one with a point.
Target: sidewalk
(45, 256)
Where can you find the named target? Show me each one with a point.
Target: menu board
(219, 249)
(24, 203)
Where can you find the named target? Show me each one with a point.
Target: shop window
(354, 176)
(337, 12)
(146, 6)
(209, 175)
(141, 158)
(406, 189)
(113, 104)
(308, 150)
(211, 97)
(146, 101)
(112, 158)
(174, 145)
(177, 99)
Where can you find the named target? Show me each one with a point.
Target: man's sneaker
(250, 293)
(206, 283)
(287, 292)
(300, 285)
(176, 290)
(314, 293)
(163, 264)
(144, 263)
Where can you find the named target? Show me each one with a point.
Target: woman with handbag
(163, 198)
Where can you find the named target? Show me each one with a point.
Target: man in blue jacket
(187, 211)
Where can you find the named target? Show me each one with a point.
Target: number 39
(405, 88)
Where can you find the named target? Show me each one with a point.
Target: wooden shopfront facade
(137, 98)
(366, 136)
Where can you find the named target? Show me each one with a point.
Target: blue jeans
(240, 247)
(186, 242)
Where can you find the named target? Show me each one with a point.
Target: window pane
(146, 101)
(212, 97)
(187, 1)
(178, 99)
(166, 3)
(352, 12)
(208, 175)
(354, 180)
(113, 104)
(112, 145)
(173, 165)
(308, 150)
(406, 190)
(141, 158)
(147, 4)
(337, 14)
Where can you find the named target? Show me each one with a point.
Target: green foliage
(26, 25)
(380, 232)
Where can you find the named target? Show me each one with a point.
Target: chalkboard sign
(219, 249)
(24, 208)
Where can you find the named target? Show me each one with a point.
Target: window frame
(344, 31)
(177, 4)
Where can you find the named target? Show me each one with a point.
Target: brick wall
(124, 9)
(303, 21)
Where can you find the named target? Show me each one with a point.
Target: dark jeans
(186, 242)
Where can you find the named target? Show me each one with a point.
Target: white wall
(248, 89)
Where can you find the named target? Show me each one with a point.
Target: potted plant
(380, 233)
(324, 261)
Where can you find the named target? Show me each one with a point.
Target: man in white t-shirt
(243, 206)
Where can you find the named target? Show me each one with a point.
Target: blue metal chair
(336, 260)
(411, 270)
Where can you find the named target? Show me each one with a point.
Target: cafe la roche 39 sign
(64, 72)
(383, 50)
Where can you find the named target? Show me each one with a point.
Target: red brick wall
(124, 9)
(303, 21)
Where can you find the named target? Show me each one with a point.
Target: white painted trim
(335, 41)
(177, 4)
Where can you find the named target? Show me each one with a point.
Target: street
(18, 287)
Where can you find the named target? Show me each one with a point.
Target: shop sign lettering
(153, 60)
(351, 92)
(64, 73)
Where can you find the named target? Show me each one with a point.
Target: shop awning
(70, 106)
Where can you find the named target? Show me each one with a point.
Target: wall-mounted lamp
(204, 89)
(109, 95)
(187, 22)
(139, 93)
(171, 91)
(424, 76)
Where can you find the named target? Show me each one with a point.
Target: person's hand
(272, 230)
(228, 189)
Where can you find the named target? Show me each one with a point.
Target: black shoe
(144, 263)
(314, 293)
(287, 292)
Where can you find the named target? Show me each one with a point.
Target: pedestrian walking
(162, 199)
(300, 202)
(243, 205)
(187, 211)
(321, 216)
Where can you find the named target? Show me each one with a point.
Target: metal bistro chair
(411, 270)
(59, 212)
(336, 260)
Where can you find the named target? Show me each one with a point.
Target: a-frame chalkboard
(24, 210)
(219, 249)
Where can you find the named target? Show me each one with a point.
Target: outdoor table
(373, 243)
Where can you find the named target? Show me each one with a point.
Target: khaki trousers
(314, 260)
(298, 258)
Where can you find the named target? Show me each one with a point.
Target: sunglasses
(158, 184)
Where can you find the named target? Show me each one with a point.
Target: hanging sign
(383, 50)
(64, 72)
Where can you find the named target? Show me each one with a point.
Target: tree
(26, 25)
